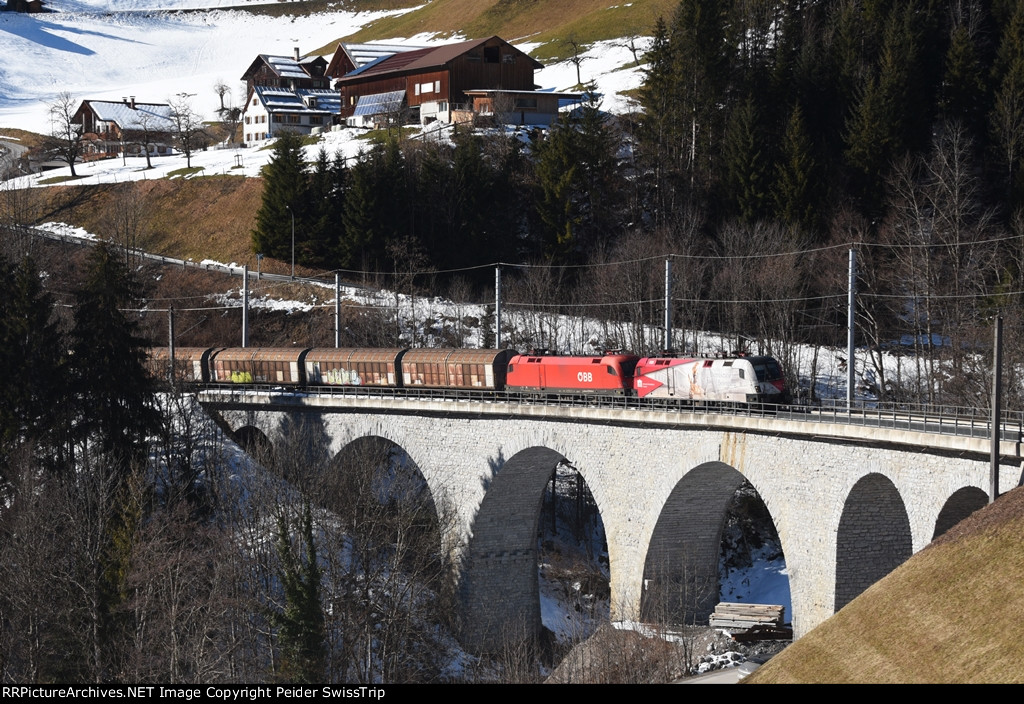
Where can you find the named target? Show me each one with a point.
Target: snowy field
(109, 49)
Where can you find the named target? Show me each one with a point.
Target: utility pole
(337, 309)
(851, 308)
(668, 306)
(997, 382)
(245, 306)
(170, 344)
(497, 307)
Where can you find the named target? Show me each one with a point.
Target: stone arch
(873, 537)
(384, 468)
(959, 506)
(680, 582)
(253, 441)
(498, 586)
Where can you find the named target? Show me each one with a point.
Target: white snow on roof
(363, 54)
(276, 99)
(285, 66)
(153, 116)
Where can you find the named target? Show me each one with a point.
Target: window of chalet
(508, 59)
(474, 56)
(491, 54)
(437, 86)
(427, 88)
(526, 104)
(278, 118)
(294, 119)
(315, 120)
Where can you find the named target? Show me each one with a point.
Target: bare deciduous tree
(188, 126)
(65, 139)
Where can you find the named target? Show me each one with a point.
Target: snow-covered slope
(111, 49)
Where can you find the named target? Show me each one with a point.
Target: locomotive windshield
(767, 369)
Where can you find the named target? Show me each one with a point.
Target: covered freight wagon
(189, 363)
(455, 369)
(331, 366)
(257, 365)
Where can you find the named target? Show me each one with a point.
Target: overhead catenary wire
(273, 285)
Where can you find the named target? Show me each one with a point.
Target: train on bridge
(734, 379)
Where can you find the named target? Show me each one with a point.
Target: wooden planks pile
(733, 616)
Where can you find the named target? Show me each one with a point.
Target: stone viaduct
(850, 503)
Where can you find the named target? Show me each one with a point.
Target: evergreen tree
(579, 180)
(702, 58)
(796, 189)
(964, 94)
(113, 393)
(746, 167)
(378, 205)
(284, 202)
(1007, 119)
(882, 128)
(660, 130)
(30, 354)
(302, 633)
(682, 96)
(555, 168)
(325, 197)
(32, 362)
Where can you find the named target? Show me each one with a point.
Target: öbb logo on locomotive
(735, 379)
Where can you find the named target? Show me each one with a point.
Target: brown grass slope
(211, 217)
(548, 21)
(951, 613)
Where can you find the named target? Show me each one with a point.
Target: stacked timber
(744, 617)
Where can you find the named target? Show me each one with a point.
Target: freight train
(736, 379)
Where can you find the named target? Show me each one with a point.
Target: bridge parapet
(966, 432)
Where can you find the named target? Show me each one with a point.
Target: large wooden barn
(425, 85)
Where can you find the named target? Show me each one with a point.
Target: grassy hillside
(949, 614)
(550, 22)
(202, 218)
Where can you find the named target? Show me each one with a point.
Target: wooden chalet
(289, 72)
(425, 85)
(287, 93)
(110, 128)
(268, 111)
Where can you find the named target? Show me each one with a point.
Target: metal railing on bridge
(927, 418)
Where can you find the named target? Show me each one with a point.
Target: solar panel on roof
(379, 103)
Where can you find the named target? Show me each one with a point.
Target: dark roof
(285, 66)
(423, 59)
(282, 99)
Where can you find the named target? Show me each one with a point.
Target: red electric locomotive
(610, 374)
